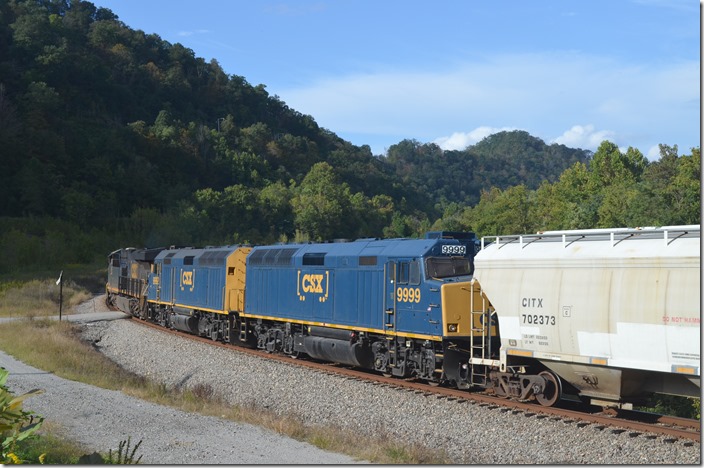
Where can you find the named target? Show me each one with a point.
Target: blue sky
(376, 72)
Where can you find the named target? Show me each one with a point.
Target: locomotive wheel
(553, 389)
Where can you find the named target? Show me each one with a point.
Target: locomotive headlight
(452, 327)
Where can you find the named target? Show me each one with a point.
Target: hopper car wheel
(553, 389)
(500, 389)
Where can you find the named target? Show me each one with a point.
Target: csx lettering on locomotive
(313, 283)
(187, 279)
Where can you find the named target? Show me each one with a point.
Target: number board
(454, 250)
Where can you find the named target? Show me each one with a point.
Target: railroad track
(636, 423)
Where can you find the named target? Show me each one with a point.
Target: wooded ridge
(111, 136)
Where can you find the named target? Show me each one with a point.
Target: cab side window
(409, 273)
(403, 273)
(414, 277)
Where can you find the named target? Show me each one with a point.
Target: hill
(113, 136)
(500, 160)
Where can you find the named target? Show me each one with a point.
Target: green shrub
(15, 423)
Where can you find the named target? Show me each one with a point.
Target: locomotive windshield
(447, 267)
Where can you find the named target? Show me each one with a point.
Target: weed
(124, 456)
(203, 391)
(16, 424)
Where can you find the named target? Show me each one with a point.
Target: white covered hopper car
(609, 315)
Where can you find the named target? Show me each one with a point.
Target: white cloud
(584, 136)
(191, 33)
(641, 105)
(461, 140)
(653, 153)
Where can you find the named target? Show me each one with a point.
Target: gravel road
(470, 434)
(100, 419)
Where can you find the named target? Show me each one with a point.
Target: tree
(610, 166)
(321, 203)
(685, 192)
(276, 213)
(576, 203)
(515, 210)
(617, 205)
(671, 189)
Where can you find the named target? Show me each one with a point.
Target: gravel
(469, 433)
(99, 419)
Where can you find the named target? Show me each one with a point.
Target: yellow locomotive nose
(465, 310)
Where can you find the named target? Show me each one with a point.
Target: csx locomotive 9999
(609, 316)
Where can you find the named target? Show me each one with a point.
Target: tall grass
(62, 352)
(39, 298)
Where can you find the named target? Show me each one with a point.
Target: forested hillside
(500, 160)
(112, 136)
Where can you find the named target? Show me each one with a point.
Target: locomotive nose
(463, 310)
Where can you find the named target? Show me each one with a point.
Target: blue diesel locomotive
(403, 307)
(398, 306)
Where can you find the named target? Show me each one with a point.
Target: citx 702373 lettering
(581, 313)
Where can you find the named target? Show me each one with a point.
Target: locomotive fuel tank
(335, 345)
(613, 312)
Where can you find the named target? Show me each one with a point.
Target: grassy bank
(66, 355)
(36, 294)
